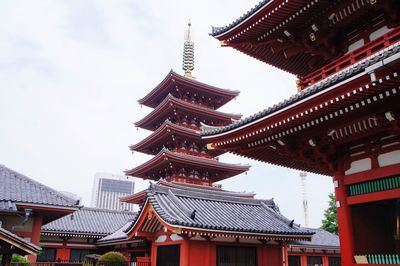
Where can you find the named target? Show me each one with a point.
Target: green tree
(112, 258)
(330, 223)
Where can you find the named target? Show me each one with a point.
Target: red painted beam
(376, 196)
(373, 174)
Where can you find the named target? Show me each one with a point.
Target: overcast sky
(71, 73)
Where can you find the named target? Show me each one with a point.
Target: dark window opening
(294, 261)
(236, 256)
(168, 255)
(46, 255)
(78, 255)
(334, 261)
(314, 261)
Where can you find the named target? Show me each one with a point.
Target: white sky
(71, 73)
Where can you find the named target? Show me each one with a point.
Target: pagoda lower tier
(175, 137)
(185, 113)
(189, 89)
(186, 168)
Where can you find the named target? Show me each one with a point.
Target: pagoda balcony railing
(195, 153)
(351, 58)
(378, 259)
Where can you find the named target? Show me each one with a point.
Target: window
(168, 255)
(294, 261)
(78, 255)
(46, 255)
(334, 261)
(314, 261)
(236, 256)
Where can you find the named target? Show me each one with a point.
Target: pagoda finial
(188, 53)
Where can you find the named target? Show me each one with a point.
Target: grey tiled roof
(313, 89)
(320, 238)
(218, 30)
(120, 234)
(7, 206)
(17, 188)
(89, 221)
(12, 238)
(219, 211)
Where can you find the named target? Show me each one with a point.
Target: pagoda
(181, 105)
(184, 217)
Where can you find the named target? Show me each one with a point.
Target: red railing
(349, 59)
(143, 261)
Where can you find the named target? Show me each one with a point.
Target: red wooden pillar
(184, 260)
(344, 221)
(63, 253)
(325, 261)
(153, 253)
(35, 236)
(285, 254)
(213, 253)
(303, 260)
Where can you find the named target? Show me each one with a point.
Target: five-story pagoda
(181, 106)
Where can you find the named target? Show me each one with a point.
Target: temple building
(185, 212)
(75, 235)
(25, 205)
(343, 122)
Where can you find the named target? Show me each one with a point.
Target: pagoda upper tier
(312, 39)
(185, 113)
(175, 138)
(186, 168)
(188, 88)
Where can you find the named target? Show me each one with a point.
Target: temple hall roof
(321, 238)
(217, 211)
(17, 189)
(89, 221)
(220, 30)
(118, 235)
(320, 87)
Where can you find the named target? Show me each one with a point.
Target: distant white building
(108, 189)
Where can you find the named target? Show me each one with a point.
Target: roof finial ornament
(188, 53)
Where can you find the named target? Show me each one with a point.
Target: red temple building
(185, 218)
(25, 205)
(343, 122)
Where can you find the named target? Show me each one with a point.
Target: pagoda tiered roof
(167, 134)
(159, 165)
(302, 36)
(174, 82)
(168, 107)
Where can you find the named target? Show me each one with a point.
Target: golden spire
(188, 53)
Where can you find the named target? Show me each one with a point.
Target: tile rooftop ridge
(95, 209)
(216, 31)
(211, 196)
(200, 188)
(24, 178)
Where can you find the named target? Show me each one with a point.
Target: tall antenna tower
(303, 178)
